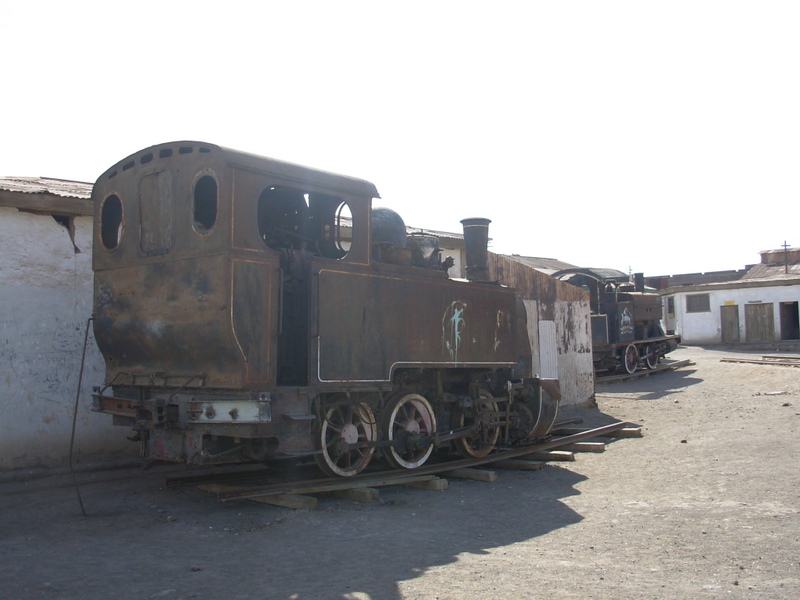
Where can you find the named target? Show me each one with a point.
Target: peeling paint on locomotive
(452, 326)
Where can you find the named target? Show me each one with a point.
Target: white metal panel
(548, 350)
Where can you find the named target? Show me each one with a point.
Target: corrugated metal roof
(772, 271)
(47, 185)
(545, 265)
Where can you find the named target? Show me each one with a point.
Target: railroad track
(768, 359)
(256, 484)
(643, 372)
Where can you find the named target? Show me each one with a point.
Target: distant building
(757, 305)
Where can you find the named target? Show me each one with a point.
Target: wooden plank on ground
(432, 485)
(294, 501)
(366, 494)
(218, 488)
(584, 447)
(519, 464)
(346, 484)
(559, 455)
(627, 432)
(473, 474)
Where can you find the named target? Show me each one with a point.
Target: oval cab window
(111, 224)
(204, 212)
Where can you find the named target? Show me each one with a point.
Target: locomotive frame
(248, 309)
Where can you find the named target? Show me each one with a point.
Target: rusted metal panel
(255, 316)
(156, 213)
(429, 322)
(154, 175)
(170, 318)
(531, 283)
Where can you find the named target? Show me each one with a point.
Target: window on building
(697, 303)
(670, 306)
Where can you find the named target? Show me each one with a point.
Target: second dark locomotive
(626, 319)
(250, 309)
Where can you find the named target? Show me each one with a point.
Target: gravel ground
(705, 505)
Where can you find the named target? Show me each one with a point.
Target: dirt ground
(705, 505)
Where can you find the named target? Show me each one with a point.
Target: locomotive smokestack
(638, 280)
(476, 246)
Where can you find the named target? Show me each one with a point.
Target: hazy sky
(661, 137)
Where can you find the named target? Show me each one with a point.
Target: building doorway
(729, 323)
(790, 321)
(759, 322)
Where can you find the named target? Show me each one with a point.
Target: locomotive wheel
(346, 423)
(631, 358)
(407, 415)
(484, 440)
(652, 357)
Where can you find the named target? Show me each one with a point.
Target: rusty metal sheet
(430, 322)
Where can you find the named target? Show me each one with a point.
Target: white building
(45, 305)
(761, 306)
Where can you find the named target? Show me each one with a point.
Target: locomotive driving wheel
(344, 430)
(652, 356)
(481, 442)
(631, 358)
(407, 420)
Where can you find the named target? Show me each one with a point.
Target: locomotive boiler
(625, 317)
(250, 309)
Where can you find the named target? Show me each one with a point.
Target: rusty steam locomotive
(625, 317)
(250, 309)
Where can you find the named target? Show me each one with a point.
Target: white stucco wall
(706, 327)
(573, 350)
(45, 302)
(575, 366)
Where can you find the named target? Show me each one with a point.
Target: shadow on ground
(655, 385)
(142, 540)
